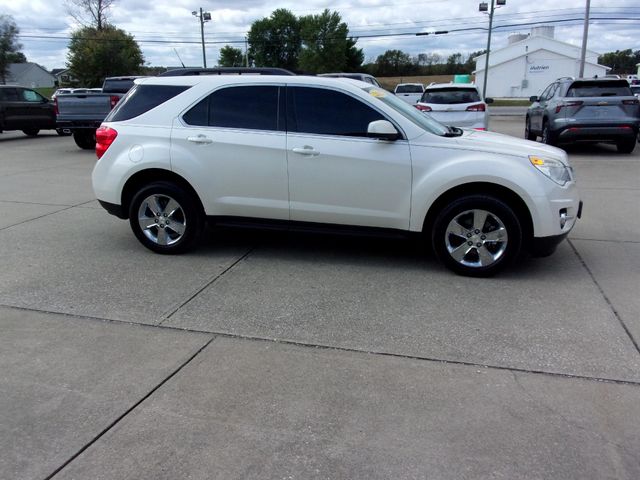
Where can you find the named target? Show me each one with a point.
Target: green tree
(95, 54)
(9, 46)
(621, 61)
(394, 63)
(325, 45)
(231, 57)
(355, 57)
(275, 41)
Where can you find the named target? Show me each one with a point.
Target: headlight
(552, 168)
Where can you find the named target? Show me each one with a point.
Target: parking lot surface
(274, 355)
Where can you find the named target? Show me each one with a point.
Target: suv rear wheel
(477, 235)
(85, 139)
(166, 218)
(547, 136)
(31, 132)
(626, 146)
(528, 134)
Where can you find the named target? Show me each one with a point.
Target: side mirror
(488, 100)
(533, 98)
(383, 130)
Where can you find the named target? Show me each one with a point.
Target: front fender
(433, 177)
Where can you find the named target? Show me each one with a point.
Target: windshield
(410, 112)
(450, 96)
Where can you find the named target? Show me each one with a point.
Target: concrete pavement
(294, 356)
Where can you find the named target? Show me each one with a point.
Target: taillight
(480, 128)
(104, 138)
(423, 108)
(55, 106)
(114, 99)
(567, 104)
(479, 107)
(635, 101)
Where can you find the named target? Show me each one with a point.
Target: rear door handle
(200, 139)
(306, 150)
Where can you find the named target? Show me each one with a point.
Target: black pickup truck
(83, 113)
(25, 109)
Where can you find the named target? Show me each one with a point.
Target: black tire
(31, 132)
(528, 134)
(85, 139)
(473, 242)
(62, 133)
(626, 146)
(186, 213)
(547, 135)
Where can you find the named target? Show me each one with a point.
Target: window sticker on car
(377, 93)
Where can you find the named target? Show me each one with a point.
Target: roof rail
(566, 78)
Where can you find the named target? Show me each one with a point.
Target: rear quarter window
(600, 89)
(141, 99)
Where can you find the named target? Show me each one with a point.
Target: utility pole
(203, 17)
(483, 7)
(585, 34)
(246, 52)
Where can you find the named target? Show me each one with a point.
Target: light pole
(585, 34)
(203, 17)
(484, 8)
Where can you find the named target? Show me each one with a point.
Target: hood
(506, 145)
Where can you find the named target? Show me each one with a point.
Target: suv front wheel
(166, 218)
(477, 235)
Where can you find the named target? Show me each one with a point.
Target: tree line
(304, 44)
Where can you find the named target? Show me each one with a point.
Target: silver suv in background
(585, 110)
(456, 104)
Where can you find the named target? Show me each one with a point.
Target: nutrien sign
(538, 68)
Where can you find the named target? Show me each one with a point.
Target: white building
(529, 63)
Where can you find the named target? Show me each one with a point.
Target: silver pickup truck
(82, 113)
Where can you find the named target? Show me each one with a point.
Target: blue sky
(164, 27)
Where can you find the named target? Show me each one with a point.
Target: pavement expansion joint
(606, 241)
(167, 315)
(65, 208)
(129, 410)
(339, 349)
(604, 295)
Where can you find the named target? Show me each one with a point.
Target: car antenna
(181, 63)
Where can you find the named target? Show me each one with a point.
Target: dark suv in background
(585, 110)
(25, 109)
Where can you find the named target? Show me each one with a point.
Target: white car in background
(314, 152)
(456, 104)
(409, 92)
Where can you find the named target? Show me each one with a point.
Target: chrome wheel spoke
(176, 227)
(162, 238)
(171, 208)
(485, 256)
(479, 219)
(146, 223)
(460, 252)
(499, 235)
(456, 229)
(153, 204)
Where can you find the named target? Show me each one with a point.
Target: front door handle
(306, 150)
(200, 139)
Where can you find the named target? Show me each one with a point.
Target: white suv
(456, 104)
(310, 151)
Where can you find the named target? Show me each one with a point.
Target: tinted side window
(142, 99)
(327, 112)
(30, 96)
(249, 107)
(10, 94)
